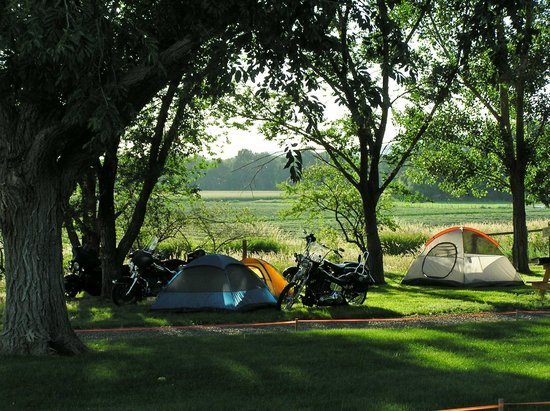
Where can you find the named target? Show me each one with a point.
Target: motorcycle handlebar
(162, 268)
(310, 238)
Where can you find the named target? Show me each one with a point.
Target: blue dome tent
(214, 282)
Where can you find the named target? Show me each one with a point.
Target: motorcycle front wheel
(121, 296)
(288, 296)
(72, 285)
(289, 273)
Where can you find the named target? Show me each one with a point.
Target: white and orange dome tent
(462, 257)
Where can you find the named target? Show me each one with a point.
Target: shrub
(264, 245)
(538, 245)
(398, 243)
(174, 248)
(257, 245)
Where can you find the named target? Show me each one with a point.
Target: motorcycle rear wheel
(288, 297)
(354, 297)
(120, 294)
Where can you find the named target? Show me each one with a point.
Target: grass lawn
(373, 369)
(390, 300)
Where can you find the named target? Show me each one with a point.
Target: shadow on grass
(99, 313)
(408, 369)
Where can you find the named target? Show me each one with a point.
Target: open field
(373, 369)
(267, 205)
(242, 195)
(413, 219)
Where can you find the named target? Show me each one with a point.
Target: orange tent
(274, 280)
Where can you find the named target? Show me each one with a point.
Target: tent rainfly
(214, 282)
(273, 279)
(462, 257)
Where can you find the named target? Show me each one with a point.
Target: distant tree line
(264, 171)
(247, 171)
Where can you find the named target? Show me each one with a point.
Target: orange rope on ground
(481, 407)
(495, 406)
(427, 317)
(183, 327)
(294, 322)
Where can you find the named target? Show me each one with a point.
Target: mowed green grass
(371, 369)
(390, 300)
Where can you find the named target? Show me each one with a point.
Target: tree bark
(520, 247)
(374, 245)
(35, 316)
(71, 231)
(90, 236)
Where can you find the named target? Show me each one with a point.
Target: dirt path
(303, 325)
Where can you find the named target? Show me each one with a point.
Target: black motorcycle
(85, 273)
(317, 281)
(148, 274)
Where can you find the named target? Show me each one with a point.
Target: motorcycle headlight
(316, 257)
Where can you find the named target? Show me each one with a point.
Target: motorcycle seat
(347, 266)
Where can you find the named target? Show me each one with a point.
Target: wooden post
(546, 233)
(500, 404)
(245, 249)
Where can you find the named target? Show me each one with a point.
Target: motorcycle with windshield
(317, 281)
(148, 274)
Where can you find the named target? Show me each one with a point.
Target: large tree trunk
(35, 315)
(520, 250)
(111, 263)
(374, 245)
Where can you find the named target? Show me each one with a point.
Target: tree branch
(427, 121)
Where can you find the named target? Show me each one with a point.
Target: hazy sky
(254, 141)
(240, 139)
